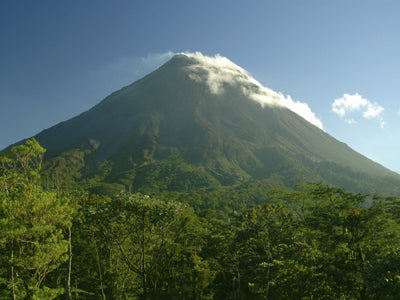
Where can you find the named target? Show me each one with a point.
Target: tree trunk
(69, 294)
(99, 267)
(268, 270)
(12, 271)
(144, 275)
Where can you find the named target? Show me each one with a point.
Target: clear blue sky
(59, 58)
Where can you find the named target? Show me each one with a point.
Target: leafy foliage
(32, 220)
(313, 242)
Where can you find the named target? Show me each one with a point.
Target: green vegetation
(32, 240)
(241, 242)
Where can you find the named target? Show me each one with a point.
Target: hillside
(189, 126)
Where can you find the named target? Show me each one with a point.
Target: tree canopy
(314, 242)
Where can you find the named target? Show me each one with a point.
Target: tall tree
(149, 241)
(32, 243)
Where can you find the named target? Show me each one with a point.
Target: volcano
(202, 122)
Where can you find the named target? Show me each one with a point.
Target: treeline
(318, 242)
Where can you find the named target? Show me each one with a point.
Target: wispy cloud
(350, 121)
(126, 70)
(218, 70)
(349, 104)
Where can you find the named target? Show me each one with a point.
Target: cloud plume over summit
(218, 70)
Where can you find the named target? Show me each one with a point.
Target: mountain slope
(194, 124)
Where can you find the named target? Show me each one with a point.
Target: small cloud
(349, 104)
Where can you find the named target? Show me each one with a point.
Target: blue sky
(59, 58)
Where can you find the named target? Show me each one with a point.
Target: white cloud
(302, 109)
(218, 70)
(348, 103)
(356, 103)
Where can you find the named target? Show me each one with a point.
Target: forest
(313, 242)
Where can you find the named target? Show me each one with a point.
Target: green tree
(349, 231)
(153, 246)
(32, 243)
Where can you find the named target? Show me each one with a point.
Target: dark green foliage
(192, 239)
(151, 248)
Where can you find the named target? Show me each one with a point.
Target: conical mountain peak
(208, 120)
(219, 72)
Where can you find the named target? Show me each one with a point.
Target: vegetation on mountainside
(168, 123)
(314, 242)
